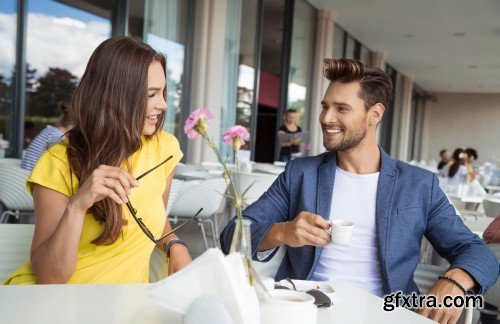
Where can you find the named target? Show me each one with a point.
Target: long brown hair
(108, 111)
(459, 158)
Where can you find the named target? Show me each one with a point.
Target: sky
(57, 36)
(62, 36)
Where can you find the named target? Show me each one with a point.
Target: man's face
(446, 156)
(343, 116)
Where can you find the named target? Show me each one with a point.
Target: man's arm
(271, 227)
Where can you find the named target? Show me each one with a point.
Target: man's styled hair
(376, 85)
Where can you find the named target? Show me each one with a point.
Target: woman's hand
(179, 258)
(105, 181)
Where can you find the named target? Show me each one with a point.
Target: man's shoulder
(308, 162)
(406, 170)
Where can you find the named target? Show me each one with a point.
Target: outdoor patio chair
(13, 194)
(208, 194)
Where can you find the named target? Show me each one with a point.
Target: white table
(128, 304)
(493, 189)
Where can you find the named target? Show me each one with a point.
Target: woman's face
(156, 101)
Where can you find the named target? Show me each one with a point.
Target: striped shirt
(48, 136)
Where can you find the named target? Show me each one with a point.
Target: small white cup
(340, 231)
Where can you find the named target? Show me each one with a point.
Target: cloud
(52, 42)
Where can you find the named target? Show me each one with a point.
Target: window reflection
(60, 40)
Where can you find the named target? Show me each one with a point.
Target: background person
(289, 148)
(47, 137)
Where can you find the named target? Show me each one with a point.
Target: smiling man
(393, 205)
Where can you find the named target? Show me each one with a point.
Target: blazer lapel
(385, 194)
(326, 178)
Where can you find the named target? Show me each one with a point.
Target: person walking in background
(47, 137)
(445, 158)
(291, 147)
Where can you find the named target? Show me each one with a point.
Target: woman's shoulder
(166, 137)
(57, 153)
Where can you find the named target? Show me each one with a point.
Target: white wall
(464, 120)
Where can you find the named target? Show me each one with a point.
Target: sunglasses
(320, 298)
(139, 221)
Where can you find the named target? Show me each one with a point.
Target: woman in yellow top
(84, 231)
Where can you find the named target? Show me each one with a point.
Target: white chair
(175, 189)
(426, 276)
(491, 207)
(15, 246)
(208, 194)
(11, 161)
(259, 184)
(13, 193)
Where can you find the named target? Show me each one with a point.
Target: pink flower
(196, 123)
(235, 136)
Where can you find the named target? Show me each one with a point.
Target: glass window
(239, 68)
(364, 55)
(350, 47)
(60, 40)
(301, 63)
(8, 16)
(163, 25)
(338, 42)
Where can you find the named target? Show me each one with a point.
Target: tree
(56, 85)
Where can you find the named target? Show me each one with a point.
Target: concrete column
(426, 155)
(377, 60)
(208, 60)
(324, 49)
(405, 117)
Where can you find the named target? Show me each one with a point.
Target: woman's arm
(59, 221)
(492, 232)
(179, 254)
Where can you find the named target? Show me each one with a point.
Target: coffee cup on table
(340, 231)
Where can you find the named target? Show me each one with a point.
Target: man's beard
(348, 143)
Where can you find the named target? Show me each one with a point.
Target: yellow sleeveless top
(126, 260)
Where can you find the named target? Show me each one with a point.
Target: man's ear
(376, 113)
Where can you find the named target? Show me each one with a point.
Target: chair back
(15, 245)
(175, 189)
(208, 194)
(259, 184)
(13, 193)
(491, 207)
(11, 161)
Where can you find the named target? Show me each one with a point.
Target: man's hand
(305, 229)
(444, 288)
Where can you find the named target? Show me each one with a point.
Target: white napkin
(212, 274)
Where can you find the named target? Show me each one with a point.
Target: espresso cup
(340, 231)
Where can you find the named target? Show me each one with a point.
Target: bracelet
(169, 244)
(453, 281)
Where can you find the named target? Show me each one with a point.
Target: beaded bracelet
(169, 244)
(453, 281)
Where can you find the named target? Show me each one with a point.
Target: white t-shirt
(354, 199)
